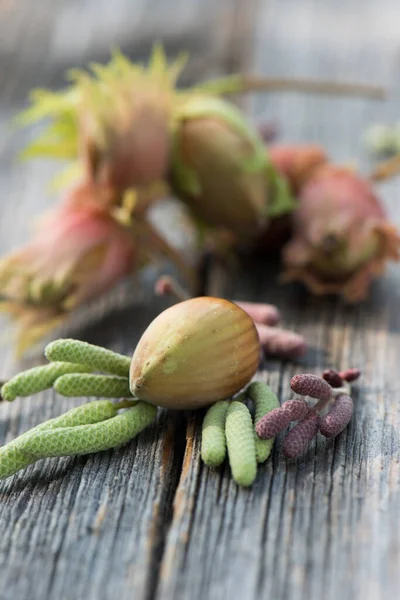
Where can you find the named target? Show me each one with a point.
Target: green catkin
(38, 379)
(86, 414)
(264, 401)
(241, 444)
(44, 441)
(85, 439)
(13, 459)
(87, 384)
(98, 358)
(213, 441)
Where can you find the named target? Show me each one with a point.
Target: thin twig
(315, 87)
(168, 286)
(152, 243)
(253, 83)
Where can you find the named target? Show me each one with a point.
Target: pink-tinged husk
(297, 163)
(124, 114)
(86, 193)
(341, 238)
(195, 353)
(79, 251)
(131, 148)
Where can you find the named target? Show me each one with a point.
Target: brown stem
(168, 286)
(150, 242)
(252, 82)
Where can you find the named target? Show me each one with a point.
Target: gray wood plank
(92, 527)
(110, 524)
(323, 526)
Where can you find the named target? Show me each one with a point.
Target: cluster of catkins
(92, 427)
(230, 429)
(330, 390)
(132, 138)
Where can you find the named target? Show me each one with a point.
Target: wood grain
(149, 521)
(319, 526)
(95, 526)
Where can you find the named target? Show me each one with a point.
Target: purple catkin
(338, 417)
(272, 423)
(298, 438)
(296, 409)
(350, 374)
(333, 378)
(279, 418)
(311, 385)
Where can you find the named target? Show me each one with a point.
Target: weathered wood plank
(95, 526)
(321, 526)
(105, 525)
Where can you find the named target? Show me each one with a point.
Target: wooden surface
(148, 521)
